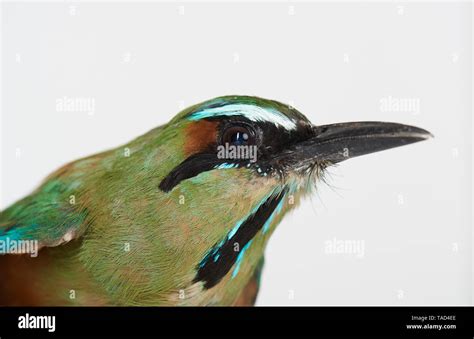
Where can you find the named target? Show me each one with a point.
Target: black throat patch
(222, 256)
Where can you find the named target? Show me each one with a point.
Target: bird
(181, 215)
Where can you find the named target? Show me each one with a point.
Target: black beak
(337, 142)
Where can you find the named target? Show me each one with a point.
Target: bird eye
(238, 135)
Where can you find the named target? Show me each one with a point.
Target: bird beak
(337, 142)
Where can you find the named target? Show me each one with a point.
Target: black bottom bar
(444, 322)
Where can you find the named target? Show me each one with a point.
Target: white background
(142, 63)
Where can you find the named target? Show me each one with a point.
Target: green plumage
(162, 220)
(133, 244)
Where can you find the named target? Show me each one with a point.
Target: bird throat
(229, 251)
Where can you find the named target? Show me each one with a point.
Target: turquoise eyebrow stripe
(251, 112)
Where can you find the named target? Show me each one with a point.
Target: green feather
(134, 244)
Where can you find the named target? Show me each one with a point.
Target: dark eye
(238, 135)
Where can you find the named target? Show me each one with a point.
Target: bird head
(250, 160)
(266, 140)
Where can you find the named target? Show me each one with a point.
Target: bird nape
(180, 215)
